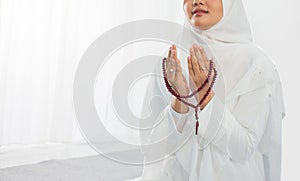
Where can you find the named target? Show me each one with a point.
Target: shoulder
(255, 53)
(262, 71)
(263, 64)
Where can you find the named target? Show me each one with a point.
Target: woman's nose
(197, 2)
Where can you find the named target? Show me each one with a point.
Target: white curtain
(41, 43)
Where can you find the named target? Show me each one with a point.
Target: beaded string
(180, 97)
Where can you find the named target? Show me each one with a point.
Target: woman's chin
(200, 26)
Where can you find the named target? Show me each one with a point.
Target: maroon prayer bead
(180, 97)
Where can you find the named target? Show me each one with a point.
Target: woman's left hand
(198, 65)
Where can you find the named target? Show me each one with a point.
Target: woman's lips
(199, 13)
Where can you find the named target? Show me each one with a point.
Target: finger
(169, 57)
(169, 54)
(214, 67)
(173, 58)
(178, 74)
(191, 72)
(172, 65)
(175, 49)
(213, 70)
(204, 56)
(175, 53)
(199, 57)
(169, 61)
(178, 66)
(177, 61)
(203, 53)
(190, 67)
(195, 65)
(191, 61)
(213, 63)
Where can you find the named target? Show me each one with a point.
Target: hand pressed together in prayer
(198, 66)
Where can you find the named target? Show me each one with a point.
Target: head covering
(242, 67)
(232, 28)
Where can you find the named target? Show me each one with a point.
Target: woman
(239, 138)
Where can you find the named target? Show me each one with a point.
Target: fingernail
(195, 46)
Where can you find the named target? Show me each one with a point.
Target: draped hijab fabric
(243, 68)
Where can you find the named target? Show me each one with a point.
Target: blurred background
(42, 41)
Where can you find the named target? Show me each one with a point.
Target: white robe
(239, 137)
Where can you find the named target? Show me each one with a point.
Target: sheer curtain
(41, 43)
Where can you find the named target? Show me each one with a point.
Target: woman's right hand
(174, 73)
(176, 79)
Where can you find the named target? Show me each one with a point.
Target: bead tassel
(197, 126)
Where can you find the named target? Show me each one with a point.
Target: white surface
(92, 168)
(22, 155)
(18, 155)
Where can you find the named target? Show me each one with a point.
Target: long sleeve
(180, 119)
(242, 129)
(163, 140)
(239, 131)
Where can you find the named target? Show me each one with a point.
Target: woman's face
(203, 14)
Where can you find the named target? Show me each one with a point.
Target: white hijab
(242, 67)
